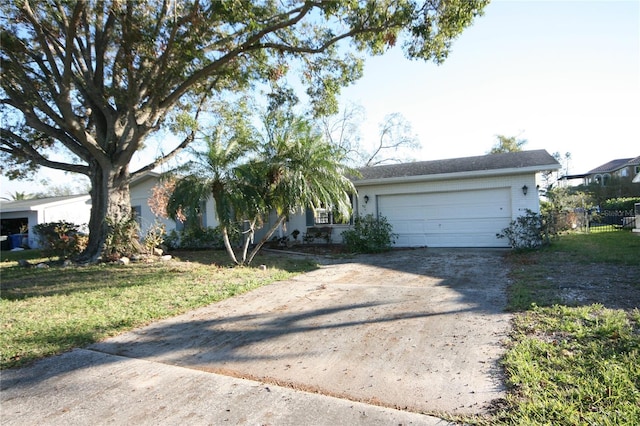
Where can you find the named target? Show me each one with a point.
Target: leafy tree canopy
(507, 144)
(91, 80)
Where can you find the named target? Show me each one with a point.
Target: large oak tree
(92, 80)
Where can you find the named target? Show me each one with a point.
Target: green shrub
(369, 235)
(122, 238)
(194, 238)
(62, 238)
(620, 203)
(155, 236)
(526, 232)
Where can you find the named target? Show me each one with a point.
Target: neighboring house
(460, 202)
(141, 189)
(16, 216)
(622, 168)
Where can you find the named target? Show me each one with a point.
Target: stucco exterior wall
(520, 202)
(141, 191)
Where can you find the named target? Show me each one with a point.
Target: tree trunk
(227, 244)
(266, 237)
(110, 201)
(248, 239)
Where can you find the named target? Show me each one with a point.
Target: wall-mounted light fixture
(366, 199)
(525, 189)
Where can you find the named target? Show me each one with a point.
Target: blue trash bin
(16, 240)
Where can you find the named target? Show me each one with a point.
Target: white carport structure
(74, 209)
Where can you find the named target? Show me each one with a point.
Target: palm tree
(299, 169)
(291, 168)
(18, 196)
(211, 174)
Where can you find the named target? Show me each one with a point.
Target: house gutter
(455, 175)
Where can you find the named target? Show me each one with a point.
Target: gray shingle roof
(614, 165)
(510, 160)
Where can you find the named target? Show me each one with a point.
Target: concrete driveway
(419, 331)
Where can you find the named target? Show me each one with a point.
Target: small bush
(122, 238)
(369, 235)
(154, 237)
(526, 232)
(626, 204)
(62, 239)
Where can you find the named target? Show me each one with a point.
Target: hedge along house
(459, 202)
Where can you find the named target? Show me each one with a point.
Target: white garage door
(448, 219)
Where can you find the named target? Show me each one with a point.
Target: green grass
(564, 365)
(571, 365)
(614, 247)
(531, 270)
(48, 311)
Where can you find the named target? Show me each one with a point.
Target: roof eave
(41, 206)
(457, 175)
(144, 177)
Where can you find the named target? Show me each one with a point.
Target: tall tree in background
(342, 130)
(507, 144)
(396, 135)
(91, 80)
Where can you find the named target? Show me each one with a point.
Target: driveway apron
(418, 330)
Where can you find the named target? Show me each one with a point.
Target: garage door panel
(467, 226)
(459, 212)
(463, 240)
(411, 240)
(451, 219)
(410, 227)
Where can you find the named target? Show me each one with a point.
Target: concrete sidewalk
(87, 387)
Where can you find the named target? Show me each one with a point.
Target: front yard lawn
(574, 357)
(46, 311)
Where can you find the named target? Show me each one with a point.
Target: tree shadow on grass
(219, 339)
(22, 283)
(215, 340)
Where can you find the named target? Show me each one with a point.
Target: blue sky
(565, 75)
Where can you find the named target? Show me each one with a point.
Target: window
(197, 221)
(624, 172)
(603, 179)
(327, 216)
(136, 212)
(323, 217)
